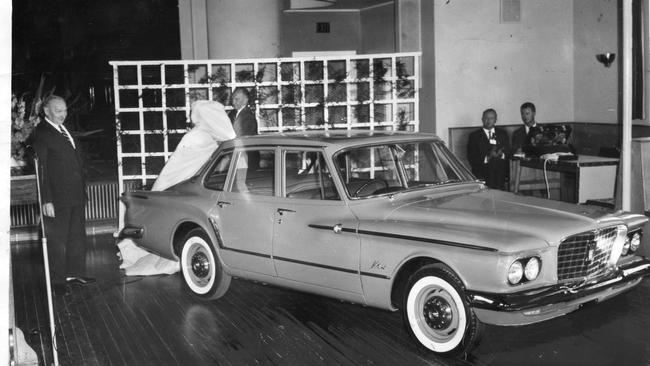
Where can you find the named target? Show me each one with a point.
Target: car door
(245, 210)
(310, 244)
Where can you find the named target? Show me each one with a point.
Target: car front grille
(581, 257)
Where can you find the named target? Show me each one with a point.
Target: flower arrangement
(22, 125)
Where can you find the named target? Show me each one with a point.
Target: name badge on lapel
(493, 141)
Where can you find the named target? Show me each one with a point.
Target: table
(583, 178)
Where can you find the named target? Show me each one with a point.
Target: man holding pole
(63, 195)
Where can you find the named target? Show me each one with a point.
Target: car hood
(494, 218)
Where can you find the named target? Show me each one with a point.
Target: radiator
(102, 205)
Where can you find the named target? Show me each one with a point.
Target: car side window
(255, 172)
(306, 176)
(216, 179)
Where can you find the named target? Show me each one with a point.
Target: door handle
(223, 203)
(281, 211)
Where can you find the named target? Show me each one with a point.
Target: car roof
(336, 139)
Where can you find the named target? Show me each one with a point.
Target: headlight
(635, 241)
(532, 269)
(515, 272)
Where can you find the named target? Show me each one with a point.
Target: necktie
(67, 137)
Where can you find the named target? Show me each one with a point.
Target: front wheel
(202, 272)
(437, 314)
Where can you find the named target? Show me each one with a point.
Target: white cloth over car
(211, 126)
(138, 262)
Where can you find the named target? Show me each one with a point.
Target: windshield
(374, 170)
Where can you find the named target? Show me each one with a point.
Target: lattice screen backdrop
(153, 99)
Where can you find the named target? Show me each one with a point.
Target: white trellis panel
(153, 99)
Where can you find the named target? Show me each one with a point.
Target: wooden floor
(153, 321)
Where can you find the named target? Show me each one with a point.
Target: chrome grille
(581, 256)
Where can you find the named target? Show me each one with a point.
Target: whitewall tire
(202, 272)
(436, 312)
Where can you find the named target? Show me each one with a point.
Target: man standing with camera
(487, 152)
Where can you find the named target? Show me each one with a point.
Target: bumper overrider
(532, 306)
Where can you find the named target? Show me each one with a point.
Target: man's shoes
(80, 280)
(61, 289)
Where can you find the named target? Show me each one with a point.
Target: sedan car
(390, 220)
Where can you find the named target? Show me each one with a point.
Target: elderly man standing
(487, 151)
(243, 119)
(63, 195)
(520, 136)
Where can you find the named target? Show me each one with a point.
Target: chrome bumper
(132, 232)
(532, 306)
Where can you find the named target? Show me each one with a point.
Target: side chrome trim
(368, 274)
(325, 227)
(408, 237)
(312, 264)
(247, 252)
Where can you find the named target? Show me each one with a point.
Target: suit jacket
(518, 139)
(61, 172)
(479, 147)
(245, 123)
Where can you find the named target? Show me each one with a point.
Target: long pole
(46, 262)
(626, 147)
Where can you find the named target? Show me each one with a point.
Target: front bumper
(532, 306)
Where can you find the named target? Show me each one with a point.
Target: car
(391, 220)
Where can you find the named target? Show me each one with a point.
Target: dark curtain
(637, 59)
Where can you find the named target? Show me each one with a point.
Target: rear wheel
(202, 272)
(437, 314)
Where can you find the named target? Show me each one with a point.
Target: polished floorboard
(153, 321)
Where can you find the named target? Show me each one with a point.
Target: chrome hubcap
(438, 313)
(200, 264)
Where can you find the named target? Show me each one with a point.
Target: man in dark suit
(242, 117)
(520, 136)
(487, 151)
(63, 195)
(244, 122)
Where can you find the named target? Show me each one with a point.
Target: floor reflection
(154, 320)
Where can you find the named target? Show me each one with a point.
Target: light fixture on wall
(606, 58)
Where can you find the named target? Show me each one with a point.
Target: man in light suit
(63, 195)
(487, 151)
(242, 117)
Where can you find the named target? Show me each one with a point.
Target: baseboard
(32, 233)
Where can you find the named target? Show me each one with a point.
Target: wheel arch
(406, 270)
(181, 230)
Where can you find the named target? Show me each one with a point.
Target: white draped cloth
(211, 126)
